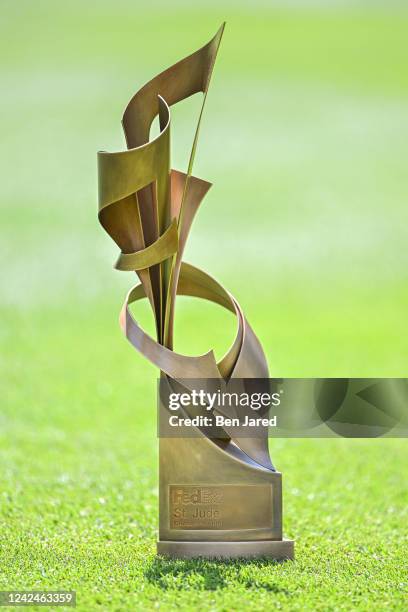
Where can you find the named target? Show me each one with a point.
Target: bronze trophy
(219, 497)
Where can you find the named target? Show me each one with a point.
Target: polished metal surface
(148, 209)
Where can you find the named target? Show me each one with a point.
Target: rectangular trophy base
(278, 550)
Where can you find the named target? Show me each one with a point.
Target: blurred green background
(305, 137)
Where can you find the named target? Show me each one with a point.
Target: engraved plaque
(220, 506)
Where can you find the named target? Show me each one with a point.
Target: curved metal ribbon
(245, 356)
(160, 250)
(148, 210)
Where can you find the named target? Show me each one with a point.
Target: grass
(309, 212)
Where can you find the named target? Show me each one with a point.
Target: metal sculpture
(218, 497)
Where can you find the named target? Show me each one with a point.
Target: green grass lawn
(305, 137)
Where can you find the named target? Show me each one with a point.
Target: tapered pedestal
(217, 503)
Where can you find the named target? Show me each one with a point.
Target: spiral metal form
(148, 209)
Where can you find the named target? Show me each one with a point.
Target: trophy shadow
(211, 575)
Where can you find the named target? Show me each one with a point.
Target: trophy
(218, 496)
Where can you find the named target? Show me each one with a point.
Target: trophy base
(278, 550)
